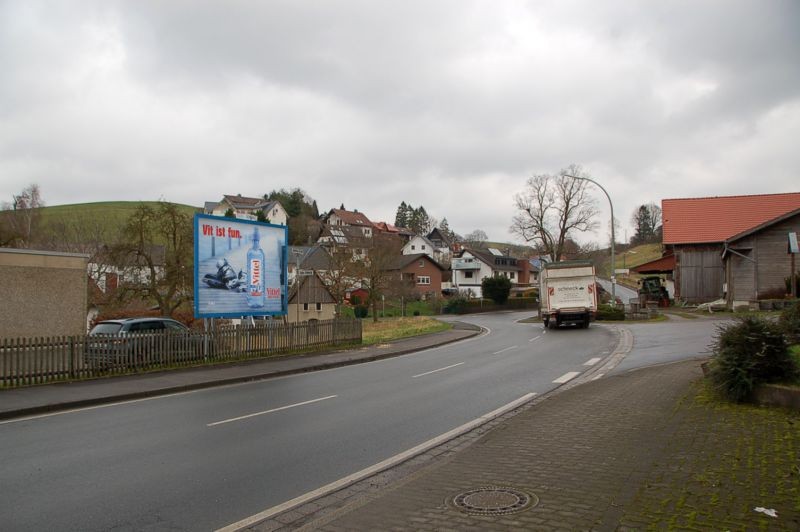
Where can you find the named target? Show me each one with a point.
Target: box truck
(568, 293)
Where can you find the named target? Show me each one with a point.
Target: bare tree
(341, 275)
(375, 270)
(157, 252)
(551, 208)
(478, 235)
(22, 216)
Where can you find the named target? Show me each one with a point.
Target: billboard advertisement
(240, 268)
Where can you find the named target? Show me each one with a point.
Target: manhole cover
(494, 500)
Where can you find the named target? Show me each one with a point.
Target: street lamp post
(613, 239)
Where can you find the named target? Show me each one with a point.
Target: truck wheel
(585, 323)
(546, 323)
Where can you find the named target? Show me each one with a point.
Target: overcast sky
(451, 105)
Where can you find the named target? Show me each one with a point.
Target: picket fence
(28, 361)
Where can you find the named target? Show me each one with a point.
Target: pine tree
(401, 218)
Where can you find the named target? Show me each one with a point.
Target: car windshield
(106, 328)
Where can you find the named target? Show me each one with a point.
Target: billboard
(240, 268)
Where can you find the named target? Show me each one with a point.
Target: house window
(512, 274)
(468, 275)
(423, 247)
(413, 247)
(423, 279)
(422, 264)
(319, 307)
(305, 307)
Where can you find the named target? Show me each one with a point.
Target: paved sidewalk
(49, 397)
(645, 449)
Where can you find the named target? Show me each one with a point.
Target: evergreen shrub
(747, 353)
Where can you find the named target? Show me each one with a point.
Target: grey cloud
(449, 104)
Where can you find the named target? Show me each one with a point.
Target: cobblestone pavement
(648, 449)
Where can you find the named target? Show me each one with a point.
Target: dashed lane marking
(436, 370)
(504, 350)
(566, 377)
(592, 361)
(534, 339)
(381, 466)
(270, 411)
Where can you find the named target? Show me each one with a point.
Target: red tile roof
(707, 220)
(352, 218)
(662, 265)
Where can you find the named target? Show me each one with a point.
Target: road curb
(474, 429)
(96, 401)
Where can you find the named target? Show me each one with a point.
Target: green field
(111, 211)
(102, 219)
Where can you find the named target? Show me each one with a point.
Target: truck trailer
(568, 293)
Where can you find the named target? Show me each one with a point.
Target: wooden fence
(30, 361)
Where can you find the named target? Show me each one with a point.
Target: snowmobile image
(226, 278)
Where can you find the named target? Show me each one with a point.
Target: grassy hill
(628, 258)
(114, 213)
(110, 216)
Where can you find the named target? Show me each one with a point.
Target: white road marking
(436, 370)
(377, 468)
(566, 377)
(506, 349)
(592, 361)
(599, 375)
(534, 339)
(270, 411)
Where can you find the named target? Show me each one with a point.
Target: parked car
(139, 342)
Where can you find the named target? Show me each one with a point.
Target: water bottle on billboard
(256, 282)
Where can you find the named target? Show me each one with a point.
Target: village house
(420, 274)
(248, 208)
(472, 266)
(310, 300)
(731, 247)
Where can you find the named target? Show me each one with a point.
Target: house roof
(310, 289)
(437, 234)
(662, 265)
(491, 259)
(346, 235)
(316, 259)
(404, 261)
(717, 219)
(394, 230)
(766, 224)
(351, 218)
(243, 202)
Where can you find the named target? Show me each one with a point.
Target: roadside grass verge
(388, 329)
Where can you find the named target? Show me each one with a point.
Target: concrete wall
(42, 293)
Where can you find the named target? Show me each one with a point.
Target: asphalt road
(671, 341)
(624, 293)
(205, 459)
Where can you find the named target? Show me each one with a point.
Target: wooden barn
(731, 247)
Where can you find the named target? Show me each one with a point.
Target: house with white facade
(248, 208)
(472, 266)
(419, 244)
